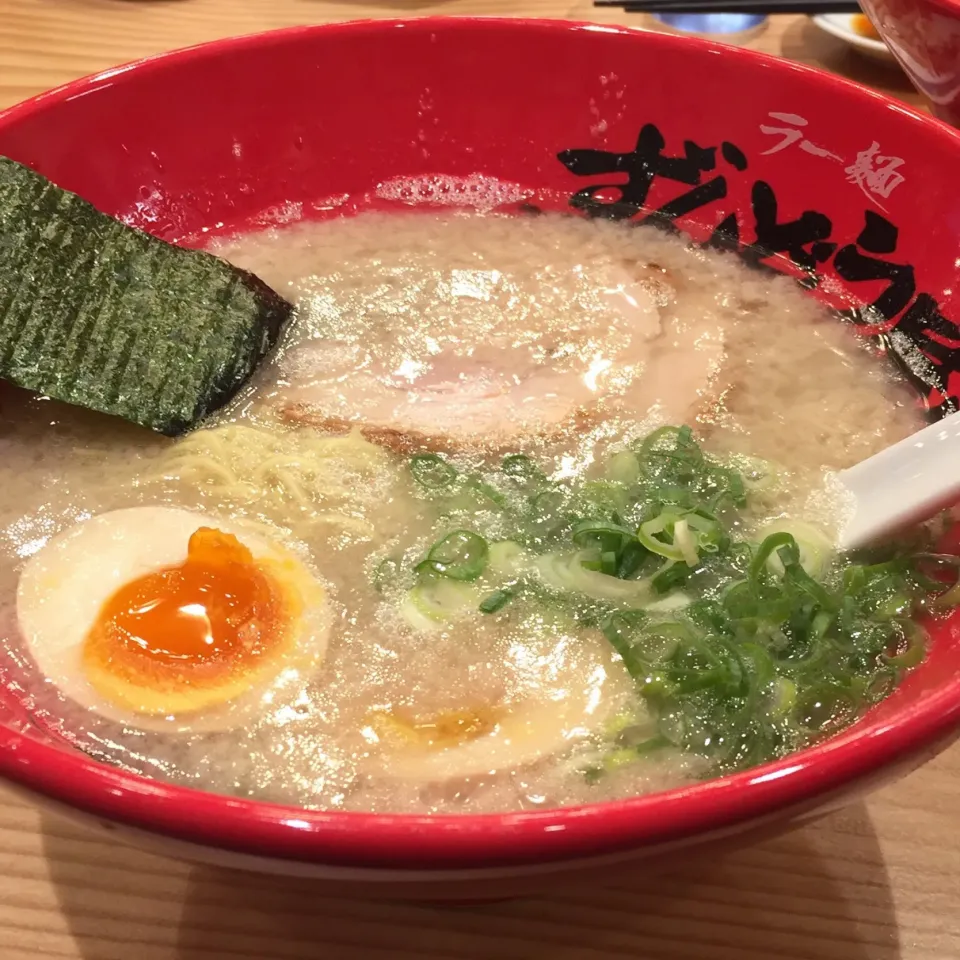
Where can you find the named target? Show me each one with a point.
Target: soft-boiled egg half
(163, 618)
(564, 696)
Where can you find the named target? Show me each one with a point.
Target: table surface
(878, 881)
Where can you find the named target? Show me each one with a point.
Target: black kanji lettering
(642, 166)
(726, 236)
(715, 189)
(804, 240)
(734, 155)
(931, 331)
(878, 235)
(701, 195)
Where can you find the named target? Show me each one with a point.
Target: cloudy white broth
(540, 509)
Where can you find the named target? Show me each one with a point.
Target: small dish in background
(857, 31)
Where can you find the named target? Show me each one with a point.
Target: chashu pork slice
(488, 390)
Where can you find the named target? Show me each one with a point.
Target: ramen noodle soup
(524, 512)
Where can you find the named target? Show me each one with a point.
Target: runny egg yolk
(449, 729)
(186, 636)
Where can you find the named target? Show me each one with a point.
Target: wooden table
(879, 881)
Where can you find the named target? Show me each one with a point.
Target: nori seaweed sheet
(99, 314)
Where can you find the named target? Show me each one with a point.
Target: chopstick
(732, 6)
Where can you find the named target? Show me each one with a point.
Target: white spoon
(906, 483)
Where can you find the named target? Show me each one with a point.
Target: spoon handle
(904, 484)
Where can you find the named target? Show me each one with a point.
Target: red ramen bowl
(848, 191)
(924, 35)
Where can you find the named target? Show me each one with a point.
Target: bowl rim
(418, 844)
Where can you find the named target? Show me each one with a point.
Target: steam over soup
(525, 512)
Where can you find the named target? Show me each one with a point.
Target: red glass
(924, 36)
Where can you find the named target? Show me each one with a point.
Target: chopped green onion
(670, 576)
(815, 549)
(496, 600)
(507, 559)
(486, 490)
(431, 471)
(624, 468)
(740, 649)
(915, 651)
(610, 535)
(570, 573)
(386, 570)
(461, 555)
(685, 542)
(548, 501)
(631, 559)
(666, 439)
(766, 549)
(521, 467)
(622, 630)
(665, 546)
(442, 600)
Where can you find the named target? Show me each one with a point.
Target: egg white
(64, 586)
